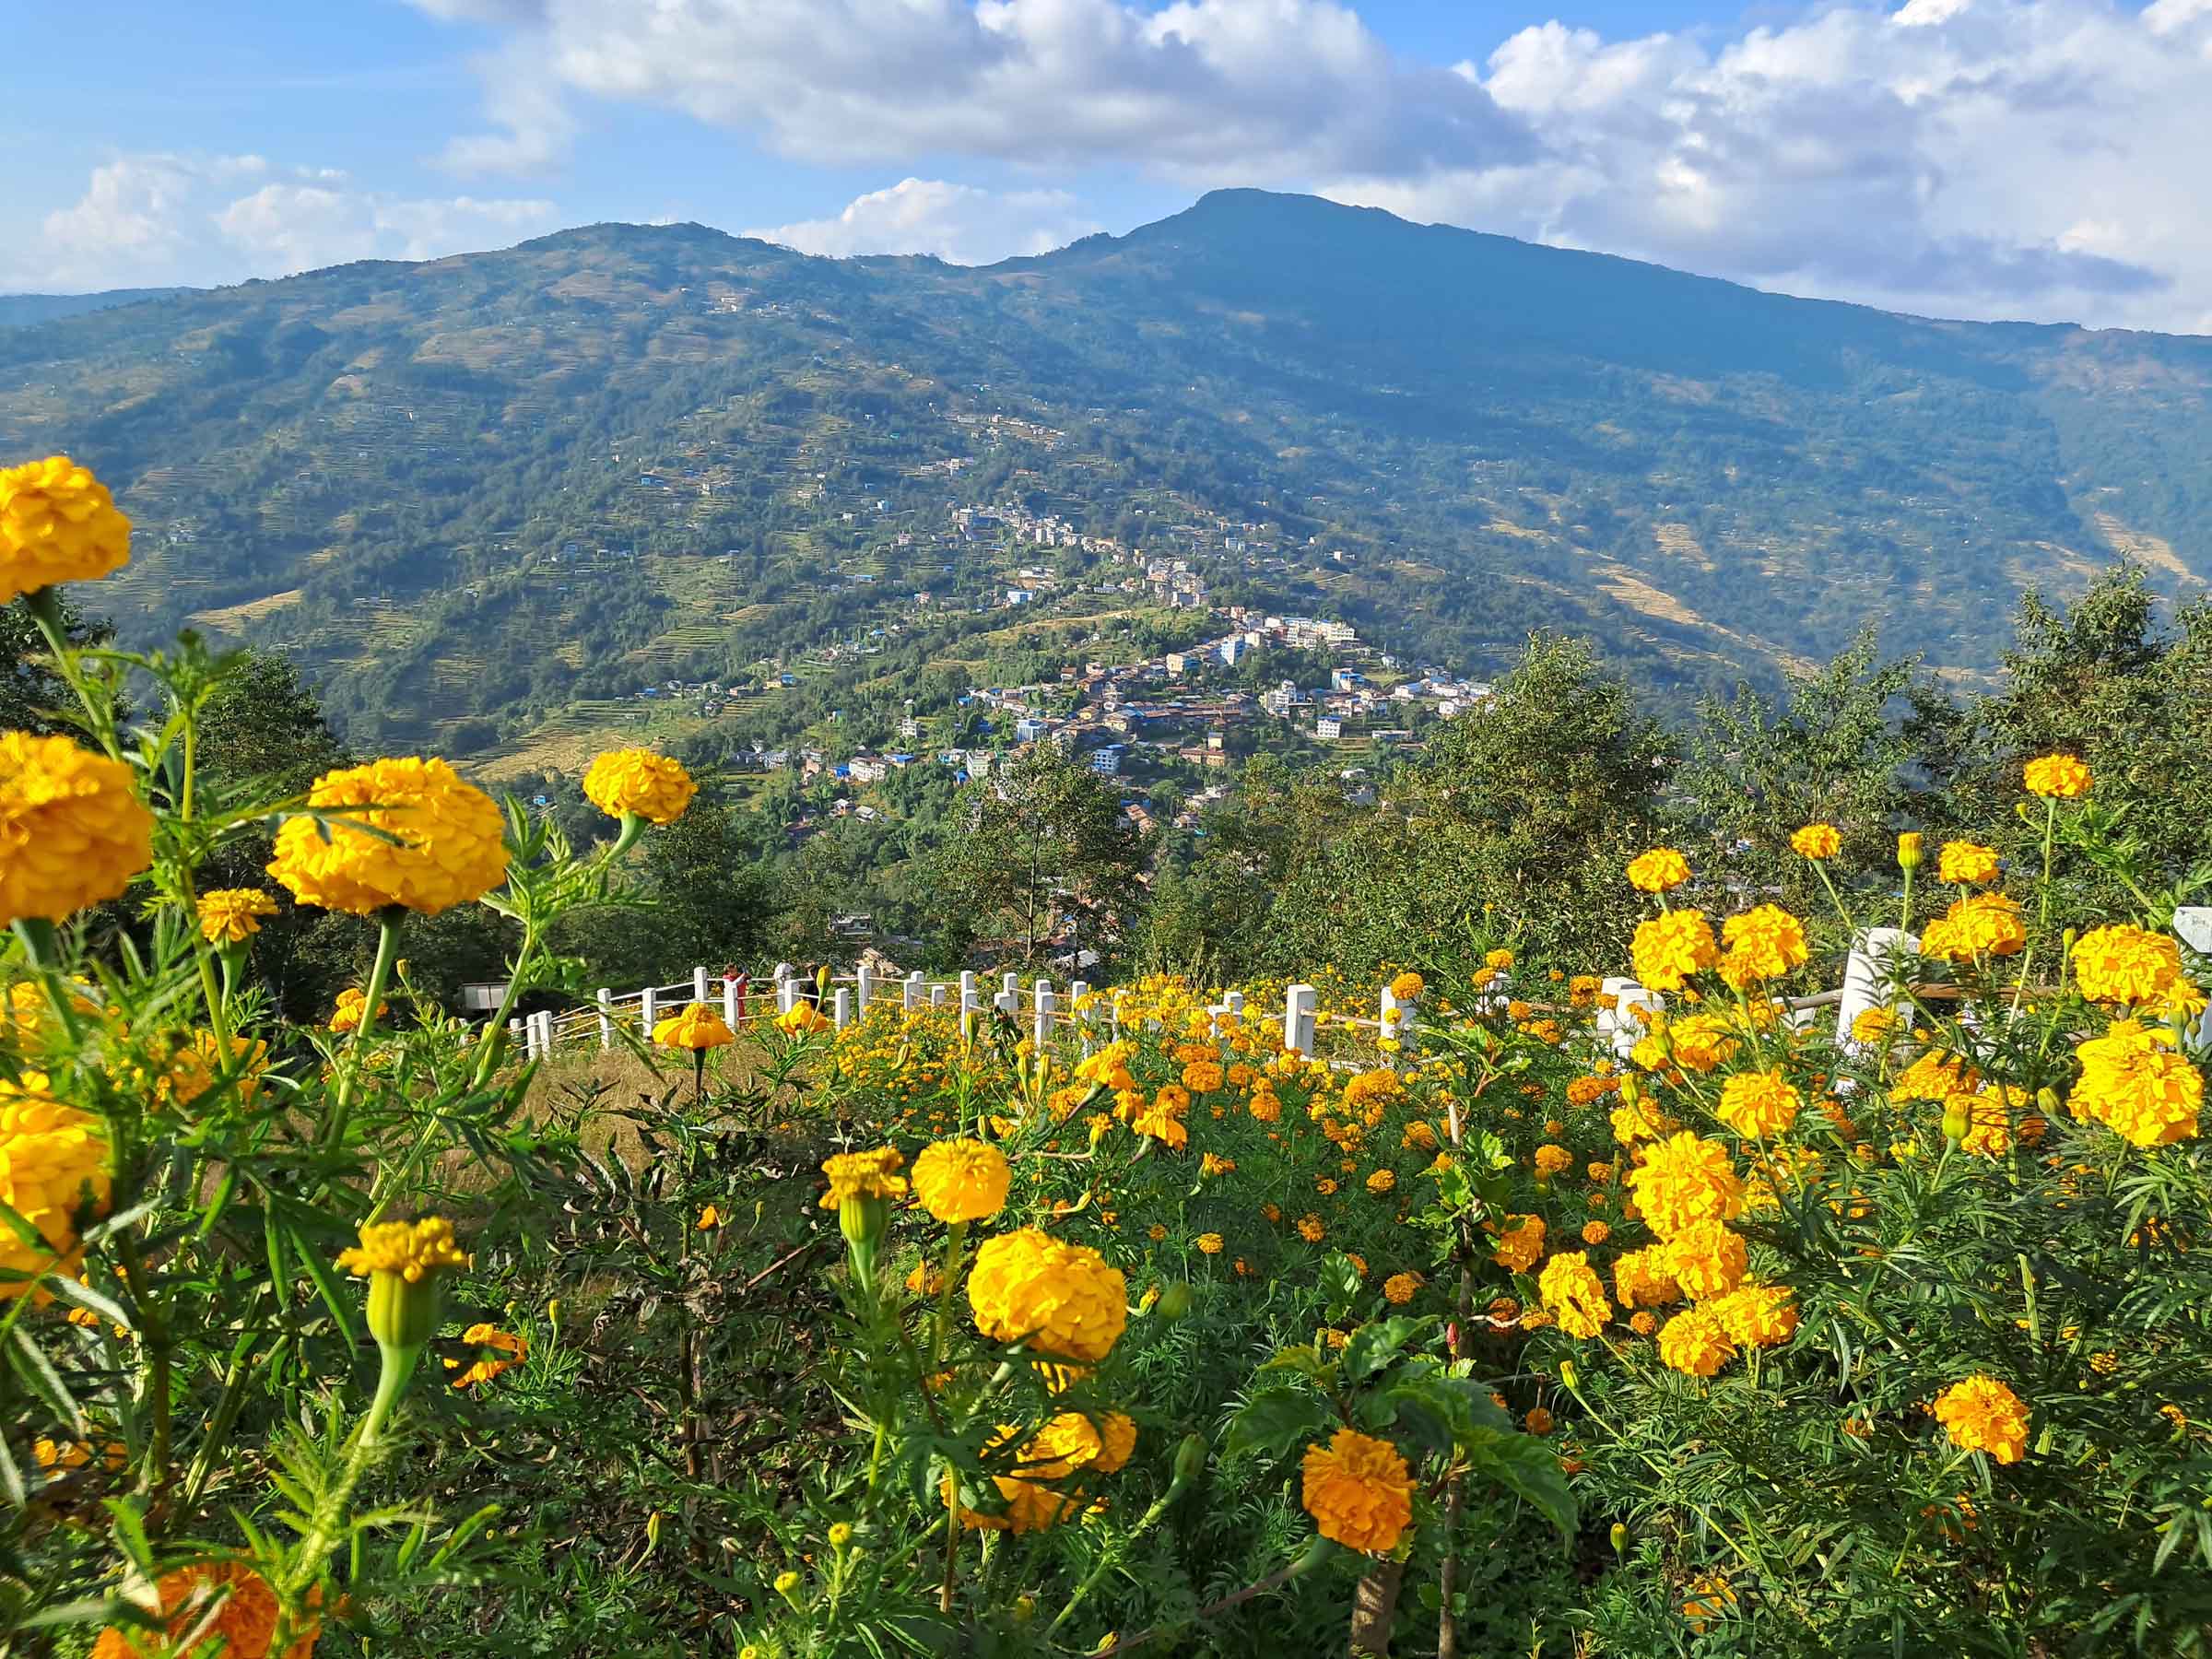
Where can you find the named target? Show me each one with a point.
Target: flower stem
(387, 950)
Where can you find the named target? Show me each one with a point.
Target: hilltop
(477, 494)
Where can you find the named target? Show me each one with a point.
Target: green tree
(711, 900)
(1043, 856)
(30, 692)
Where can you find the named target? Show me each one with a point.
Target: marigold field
(1546, 1320)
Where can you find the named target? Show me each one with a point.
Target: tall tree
(1043, 855)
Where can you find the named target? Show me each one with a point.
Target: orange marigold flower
(1359, 1492)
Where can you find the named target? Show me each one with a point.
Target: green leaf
(1305, 1360)
(84, 1296)
(1375, 1345)
(1525, 1466)
(319, 1271)
(36, 1370)
(1442, 1410)
(1277, 1420)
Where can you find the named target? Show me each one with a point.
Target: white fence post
(732, 1013)
(2193, 926)
(606, 999)
(864, 992)
(911, 997)
(787, 993)
(842, 1006)
(1011, 982)
(1046, 1004)
(1617, 1023)
(1236, 1003)
(1007, 1002)
(649, 1007)
(970, 999)
(543, 1020)
(699, 985)
(1866, 980)
(1076, 991)
(523, 1036)
(1299, 1005)
(937, 996)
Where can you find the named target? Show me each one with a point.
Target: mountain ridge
(398, 470)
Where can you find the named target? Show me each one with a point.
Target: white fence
(1868, 975)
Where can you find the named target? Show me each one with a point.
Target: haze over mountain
(428, 480)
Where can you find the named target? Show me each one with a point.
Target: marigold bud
(1175, 1301)
(1909, 854)
(1567, 1373)
(1190, 1458)
(1620, 1536)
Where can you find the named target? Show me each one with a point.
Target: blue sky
(2038, 159)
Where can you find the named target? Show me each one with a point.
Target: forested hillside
(473, 494)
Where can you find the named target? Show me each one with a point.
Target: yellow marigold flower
(1935, 1077)
(1162, 1120)
(57, 524)
(1203, 1076)
(2121, 963)
(1595, 1232)
(1381, 1182)
(1706, 1259)
(698, 1027)
(1572, 1290)
(1699, 1042)
(1407, 985)
(1213, 1163)
(53, 1167)
(1499, 959)
(212, 1607)
(1817, 841)
(1695, 1342)
(1072, 1442)
(1311, 1230)
(1521, 1246)
(2136, 1086)
(1708, 1599)
(1759, 1104)
(1399, 1288)
(1209, 1243)
(515, 1347)
(962, 1180)
(353, 1002)
(1982, 1415)
(2056, 777)
(1966, 862)
(233, 915)
(1870, 1026)
(1550, 1159)
(1756, 1315)
(1661, 870)
(1359, 1492)
(412, 1250)
(1763, 944)
(1976, 926)
(1643, 1323)
(448, 849)
(1635, 1122)
(871, 1174)
(1670, 947)
(73, 832)
(1059, 1299)
(1684, 1180)
(621, 781)
(804, 1019)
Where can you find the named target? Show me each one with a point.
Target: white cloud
(955, 222)
(2032, 158)
(1210, 91)
(156, 219)
(1981, 158)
